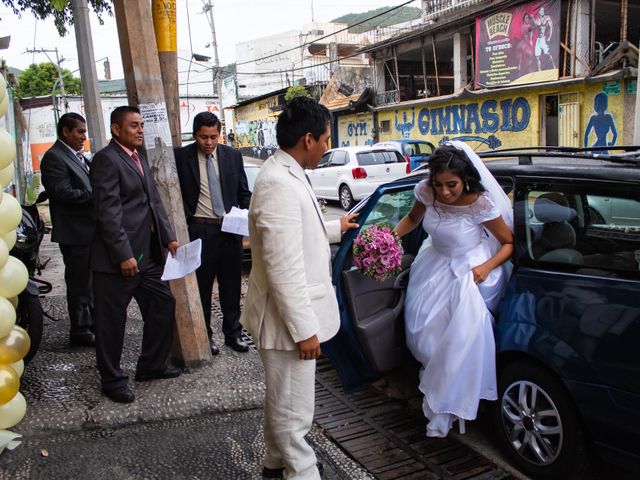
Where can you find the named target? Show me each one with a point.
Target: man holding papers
(212, 181)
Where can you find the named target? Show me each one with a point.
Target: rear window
(378, 158)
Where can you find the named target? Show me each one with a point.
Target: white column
(580, 25)
(460, 78)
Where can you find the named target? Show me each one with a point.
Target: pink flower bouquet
(377, 252)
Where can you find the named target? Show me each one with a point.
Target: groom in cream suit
(291, 306)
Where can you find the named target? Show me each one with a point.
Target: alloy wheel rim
(532, 423)
(345, 198)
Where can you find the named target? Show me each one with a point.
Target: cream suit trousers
(288, 413)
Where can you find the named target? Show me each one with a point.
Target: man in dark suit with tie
(212, 180)
(65, 176)
(132, 229)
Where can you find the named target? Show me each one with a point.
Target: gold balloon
(4, 253)
(7, 148)
(18, 367)
(6, 175)
(13, 411)
(10, 213)
(7, 317)
(15, 345)
(9, 383)
(4, 105)
(9, 239)
(13, 278)
(14, 301)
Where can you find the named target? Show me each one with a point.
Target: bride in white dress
(456, 281)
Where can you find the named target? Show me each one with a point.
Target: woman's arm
(411, 219)
(499, 230)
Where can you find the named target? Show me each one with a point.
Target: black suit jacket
(67, 185)
(233, 180)
(127, 204)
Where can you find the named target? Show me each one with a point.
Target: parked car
(568, 329)
(416, 152)
(251, 169)
(349, 174)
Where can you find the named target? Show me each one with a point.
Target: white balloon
(7, 148)
(10, 213)
(13, 411)
(4, 253)
(13, 278)
(4, 105)
(6, 175)
(7, 317)
(9, 238)
(18, 367)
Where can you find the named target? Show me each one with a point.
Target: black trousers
(77, 276)
(112, 293)
(221, 259)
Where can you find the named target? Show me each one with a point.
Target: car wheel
(346, 198)
(537, 424)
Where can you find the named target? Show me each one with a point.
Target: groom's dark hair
(300, 116)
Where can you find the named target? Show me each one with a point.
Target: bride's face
(448, 186)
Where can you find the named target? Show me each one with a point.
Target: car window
(423, 148)
(325, 159)
(378, 158)
(594, 234)
(252, 172)
(390, 208)
(340, 157)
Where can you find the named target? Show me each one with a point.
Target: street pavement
(204, 424)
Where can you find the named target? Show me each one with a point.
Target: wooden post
(145, 90)
(435, 63)
(164, 25)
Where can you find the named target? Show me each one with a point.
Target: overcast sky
(236, 21)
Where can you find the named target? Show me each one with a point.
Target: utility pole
(58, 61)
(164, 25)
(88, 75)
(208, 8)
(145, 90)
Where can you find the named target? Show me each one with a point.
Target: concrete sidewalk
(63, 394)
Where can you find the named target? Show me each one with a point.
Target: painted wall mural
(355, 130)
(255, 128)
(601, 124)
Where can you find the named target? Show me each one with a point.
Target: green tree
(296, 91)
(39, 79)
(60, 10)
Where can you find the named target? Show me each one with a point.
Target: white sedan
(349, 174)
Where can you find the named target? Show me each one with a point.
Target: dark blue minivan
(568, 331)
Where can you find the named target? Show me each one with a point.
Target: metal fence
(434, 9)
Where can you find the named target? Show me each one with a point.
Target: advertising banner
(518, 45)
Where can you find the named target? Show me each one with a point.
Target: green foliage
(295, 91)
(400, 15)
(39, 79)
(33, 187)
(60, 10)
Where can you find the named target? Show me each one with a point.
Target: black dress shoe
(82, 340)
(237, 344)
(214, 348)
(279, 472)
(120, 395)
(167, 372)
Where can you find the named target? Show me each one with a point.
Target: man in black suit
(132, 229)
(212, 180)
(65, 176)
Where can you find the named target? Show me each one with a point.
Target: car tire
(346, 197)
(546, 446)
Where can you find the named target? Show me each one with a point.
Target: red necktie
(136, 159)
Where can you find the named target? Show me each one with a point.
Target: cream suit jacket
(290, 296)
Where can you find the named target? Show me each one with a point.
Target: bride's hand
(480, 273)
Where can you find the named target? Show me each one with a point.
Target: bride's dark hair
(449, 159)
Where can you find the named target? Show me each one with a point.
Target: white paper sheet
(186, 261)
(236, 221)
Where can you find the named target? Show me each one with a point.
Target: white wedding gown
(447, 316)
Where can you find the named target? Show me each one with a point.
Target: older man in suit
(291, 306)
(65, 176)
(212, 180)
(127, 258)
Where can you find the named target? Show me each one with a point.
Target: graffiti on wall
(355, 130)
(484, 122)
(257, 137)
(602, 123)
